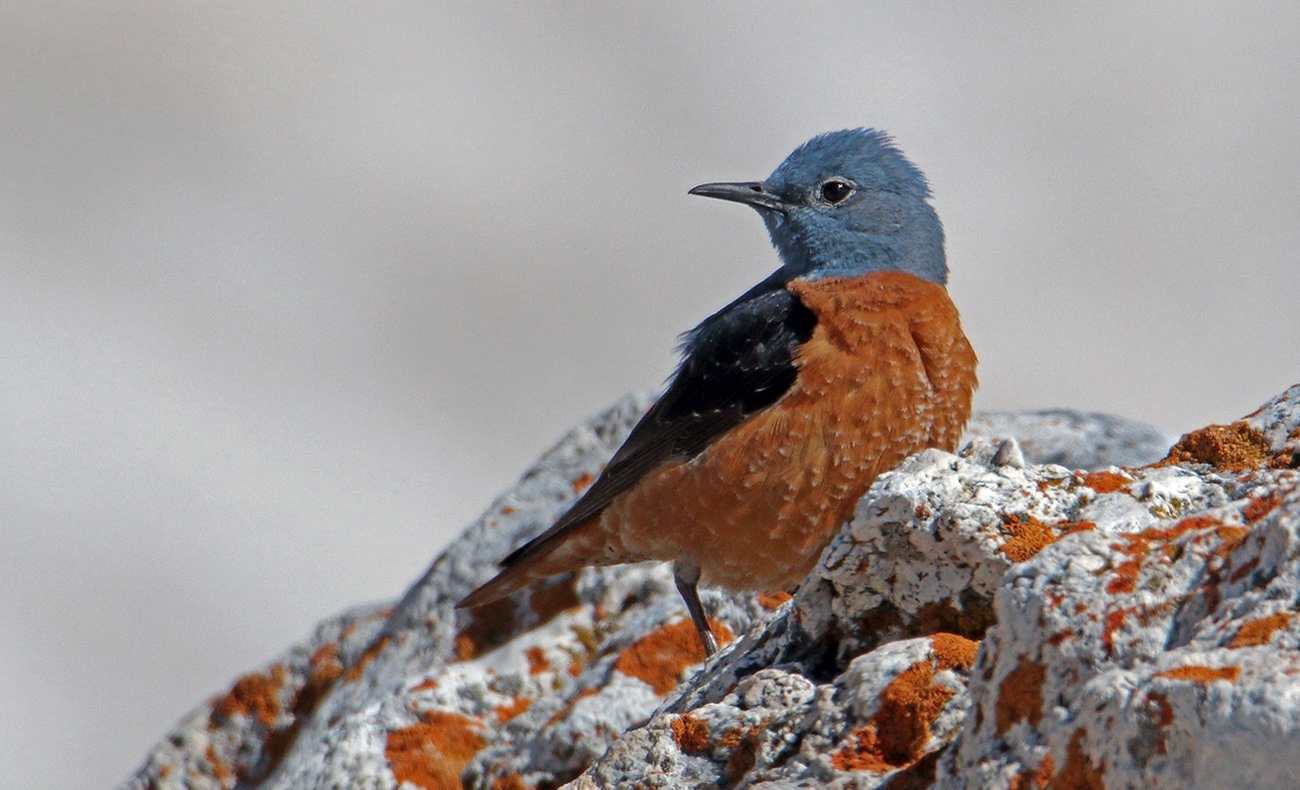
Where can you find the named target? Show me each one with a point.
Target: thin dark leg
(687, 576)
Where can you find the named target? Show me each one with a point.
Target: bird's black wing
(737, 362)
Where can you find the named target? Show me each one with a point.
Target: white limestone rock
(1165, 658)
(867, 678)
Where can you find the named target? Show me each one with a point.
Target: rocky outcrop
(985, 620)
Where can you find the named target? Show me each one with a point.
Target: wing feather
(737, 362)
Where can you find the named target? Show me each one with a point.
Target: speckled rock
(867, 678)
(884, 711)
(1164, 658)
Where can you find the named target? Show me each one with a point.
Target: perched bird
(789, 401)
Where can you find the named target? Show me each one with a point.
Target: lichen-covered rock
(885, 711)
(1113, 605)
(536, 686)
(1165, 658)
(241, 735)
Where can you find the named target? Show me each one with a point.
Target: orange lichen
(1139, 543)
(690, 733)
(1236, 446)
(1146, 615)
(511, 781)
(953, 652)
(326, 653)
(1114, 620)
(430, 683)
(507, 510)
(1020, 696)
(897, 733)
(355, 671)
(1035, 779)
(1256, 509)
(1139, 546)
(1245, 570)
(220, 771)
(537, 662)
(1126, 576)
(660, 657)
(432, 753)
(582, 482)
(1257, 632)
(1162, 713)
(1231, 536)
(1028, 537)
(743, 756)
(863, 754)
(1106, 482)
(731, 738)
(517, 706)
(1071, 527)
(326, 669)
(1078, 773)
(1197, 673)
(1059, 637)
(255, 695)
(772, 601)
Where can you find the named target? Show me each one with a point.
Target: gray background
(290, 290)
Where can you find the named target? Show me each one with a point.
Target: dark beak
(751, 193)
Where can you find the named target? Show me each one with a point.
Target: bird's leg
(687, 576)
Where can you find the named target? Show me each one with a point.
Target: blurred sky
(288, 291)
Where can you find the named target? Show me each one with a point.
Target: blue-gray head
(845, 204)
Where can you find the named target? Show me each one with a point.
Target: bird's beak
(751, 193)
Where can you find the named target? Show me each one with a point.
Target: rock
(1073, 439)
(984, 621)
(1165, 657)
(887, 709)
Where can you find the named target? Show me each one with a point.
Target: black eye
(835, 190)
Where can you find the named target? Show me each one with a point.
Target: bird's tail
(507, 582)
(548, 556)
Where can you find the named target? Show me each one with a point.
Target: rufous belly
(887, 372)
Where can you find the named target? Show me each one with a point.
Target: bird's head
(845, 204)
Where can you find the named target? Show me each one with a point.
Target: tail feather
(507, 582)
(547, 555)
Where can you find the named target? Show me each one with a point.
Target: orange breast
(886, 372)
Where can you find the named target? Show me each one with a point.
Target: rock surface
(1073, 439)
(984, 621)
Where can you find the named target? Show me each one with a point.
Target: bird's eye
(835, 190)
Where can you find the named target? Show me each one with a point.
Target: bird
(788, 402)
